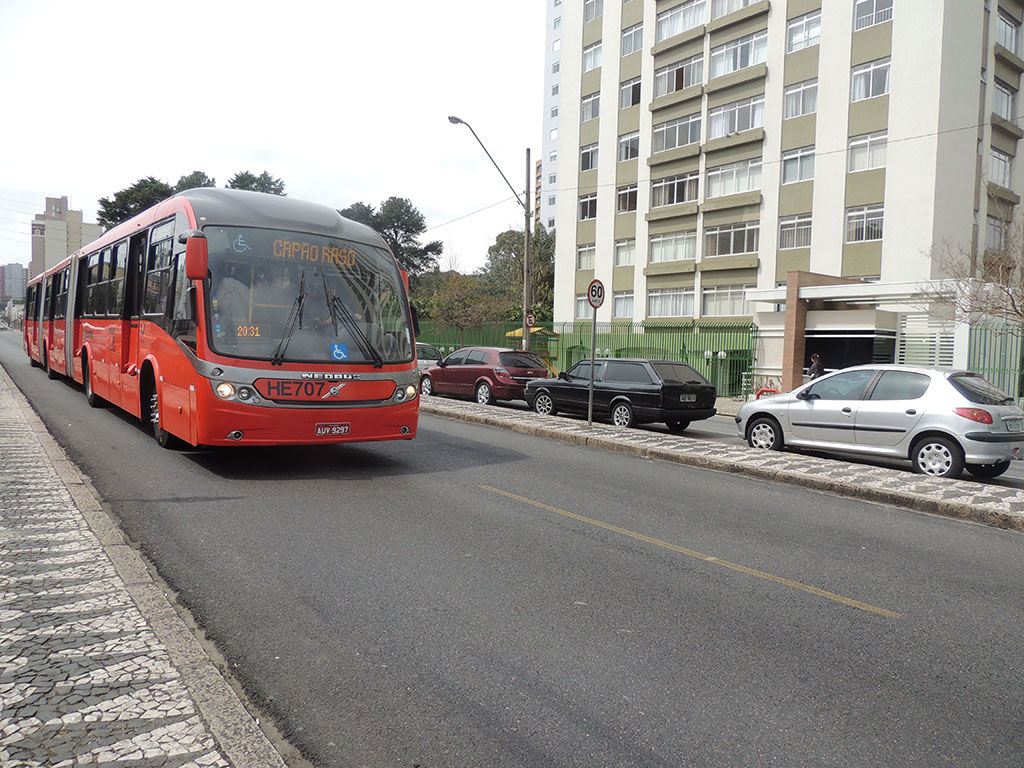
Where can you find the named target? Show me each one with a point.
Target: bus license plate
(687, 398)
(329, 430)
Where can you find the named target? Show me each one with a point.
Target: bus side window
(158, 270)
(92, 280)
(117, 270)
(183, 315)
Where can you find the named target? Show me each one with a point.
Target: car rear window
(678, 373)
(977, 390)
(519, 360)
(626, 372)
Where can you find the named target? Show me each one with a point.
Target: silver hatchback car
(942, 421)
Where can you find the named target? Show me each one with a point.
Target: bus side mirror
(415, 321)
(197, 259)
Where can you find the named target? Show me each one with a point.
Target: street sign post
(595, 297)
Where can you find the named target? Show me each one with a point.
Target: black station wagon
(628, 392)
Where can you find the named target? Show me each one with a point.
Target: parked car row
(627, 392)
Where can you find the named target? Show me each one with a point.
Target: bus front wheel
(163, 438)
(94, 400)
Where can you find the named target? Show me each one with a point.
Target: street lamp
(527, 299)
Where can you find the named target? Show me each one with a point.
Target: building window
(731, 179)
(622, 304)
(592, 9)
(625, 253)
(868, 151)
(798, 165)
(1004, 100)
(585, 256)
(592, 56)
(676, 246)
(676, 133)
(803, 32)
(870, 80)
(732, 239)
(551, 224)
(795, 232)
(725, 300)
(583, 308)
(553, 134)
(632, 39)
(735, 117)
(629, 93)
(554, 89)
(871, 12)
(625, 199)
(629, 146)
(995, 233)
(588, 157)
(680, 75)
(552, 178)
(555, 67)
(670, 302)
(674, 189)
(588, 207)
(590, 107)
(1001, 168)
(551, 199)
(864, 224)
(677, 20)
(556, 46)
(801, 99)
(554, 111)
(557, 22)
(738, 54)
(553, 155)
(722, 7)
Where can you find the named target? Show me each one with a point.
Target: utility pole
(527, 292)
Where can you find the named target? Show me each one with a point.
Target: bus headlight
(404, 393)
(225, 390)
(410, 392)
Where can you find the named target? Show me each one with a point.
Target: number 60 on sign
(595, 293)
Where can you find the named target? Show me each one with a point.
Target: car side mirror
(563, 376)
(802, 395)
(441, 363)
(197, 257)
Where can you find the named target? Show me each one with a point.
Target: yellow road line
(701, 556)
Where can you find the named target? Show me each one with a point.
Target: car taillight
(974, 414)
(502, 373)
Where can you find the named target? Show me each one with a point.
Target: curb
(1006, 513)
(240, 738)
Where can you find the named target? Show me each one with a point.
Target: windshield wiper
(338, 310)
(294, 317)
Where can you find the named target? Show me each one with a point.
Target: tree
(503, 271)
(463, 303)
(253, 183)
(194, 180)
(985, 284)
(401, 225)
(126, 203)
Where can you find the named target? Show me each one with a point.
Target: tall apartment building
(710, 149)
(13, 278)
(548, 161)
(57, 233)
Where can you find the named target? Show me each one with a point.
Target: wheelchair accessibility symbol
(339, 351)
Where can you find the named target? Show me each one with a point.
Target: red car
(484, 373)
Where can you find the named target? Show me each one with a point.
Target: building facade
(13, 278)
(548, 161)
(57, 233)
(709, 149)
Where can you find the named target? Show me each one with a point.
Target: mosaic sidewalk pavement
(84, 680)
(990, 504)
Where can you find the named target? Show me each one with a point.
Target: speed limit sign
(595, 293)
(531, 319)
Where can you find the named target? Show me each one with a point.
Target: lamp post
(527, 298)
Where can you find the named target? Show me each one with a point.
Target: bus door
(46, 329)
(131, 321)
(58, 351)
(115, 261)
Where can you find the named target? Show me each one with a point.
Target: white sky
(344, 101)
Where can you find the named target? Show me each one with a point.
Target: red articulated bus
(224, 317)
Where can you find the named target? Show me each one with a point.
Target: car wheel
(766, 434)
(938, 457)
(426, 386)
(94, 400)
(484, 395)
(677, 425)
(544, 405)
(623, 416)
(988, 471)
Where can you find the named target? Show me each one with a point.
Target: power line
(467, 215)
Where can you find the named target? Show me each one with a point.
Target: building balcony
(672, 211)
(1009, 58)
(745, 75)
(671, 155)
(1006, 126)
(738, 200)
(681, 39)
(670, 267)
(752, 10)
(677, 97)
(734, 139)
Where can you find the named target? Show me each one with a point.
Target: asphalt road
(477, 597)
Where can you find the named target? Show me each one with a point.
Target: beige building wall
(58, 233)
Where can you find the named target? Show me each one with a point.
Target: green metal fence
(723, 352)
(997, 353)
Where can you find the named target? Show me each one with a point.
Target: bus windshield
(295, 297)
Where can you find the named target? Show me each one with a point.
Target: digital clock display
(249, 331)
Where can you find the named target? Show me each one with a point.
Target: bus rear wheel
(50, 373)
(94, 400)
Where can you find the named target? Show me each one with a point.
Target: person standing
(817, 367)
